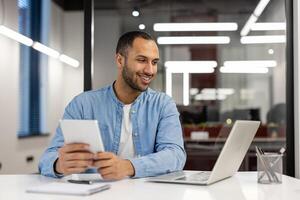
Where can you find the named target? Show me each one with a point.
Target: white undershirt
(126, 147)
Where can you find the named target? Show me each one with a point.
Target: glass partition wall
(221, 61)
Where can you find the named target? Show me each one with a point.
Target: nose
(149, 69)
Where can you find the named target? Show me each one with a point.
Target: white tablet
(82, 131)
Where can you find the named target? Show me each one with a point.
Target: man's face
(140, 64)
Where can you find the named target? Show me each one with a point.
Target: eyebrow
(142, 56)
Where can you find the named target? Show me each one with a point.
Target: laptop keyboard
(199, 177)
(173, 175)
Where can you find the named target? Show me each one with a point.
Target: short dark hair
(126, 40)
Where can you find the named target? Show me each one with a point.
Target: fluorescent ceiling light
(224, 91)
(191, 69)
(194, 40)
(15, 36)
(252, 19)
(260, 7)
(168, 83)
(194, 91)
(36, 45)
(190, 66)
(186, 86)
(268, 26)
(183, 64)
(246, 70)
(251, 63)
(46, 50)
(195, 27)
(263, 39)
(210, 97)
(68, 60)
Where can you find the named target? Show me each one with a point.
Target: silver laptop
(228, 162)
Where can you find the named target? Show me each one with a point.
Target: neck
(124, 92)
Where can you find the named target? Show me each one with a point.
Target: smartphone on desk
(82, 131)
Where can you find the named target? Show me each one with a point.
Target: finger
(75, 147)
(104, 155)
(78, 163)
(103, 163)
(78, 156)
(105, 171)
(109, 177)
(75, 170)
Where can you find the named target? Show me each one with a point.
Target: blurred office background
(232, 67)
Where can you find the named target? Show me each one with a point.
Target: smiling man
(140, 127)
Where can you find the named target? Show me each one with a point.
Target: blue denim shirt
(157, 133)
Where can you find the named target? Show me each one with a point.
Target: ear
(119, 60)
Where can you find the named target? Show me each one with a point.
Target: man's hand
(73, 158)
(111, 167)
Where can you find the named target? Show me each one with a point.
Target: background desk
(240, 187)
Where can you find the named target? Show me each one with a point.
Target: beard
(128, 75)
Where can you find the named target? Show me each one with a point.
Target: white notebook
(68, 188)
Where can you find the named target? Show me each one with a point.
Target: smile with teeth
(145, 79)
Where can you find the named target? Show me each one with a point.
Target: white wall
(63, 82)
(13, 151)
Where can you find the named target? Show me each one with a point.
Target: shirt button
(135, 134)
(132, 111)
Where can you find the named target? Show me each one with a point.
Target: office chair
(277, 114)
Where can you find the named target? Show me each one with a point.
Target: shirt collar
(117, 101)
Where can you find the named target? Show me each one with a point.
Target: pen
(81, 181)
(281, 152)
(259, 155)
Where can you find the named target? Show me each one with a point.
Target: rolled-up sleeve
(169, 152)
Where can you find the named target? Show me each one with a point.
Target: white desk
(242, 186)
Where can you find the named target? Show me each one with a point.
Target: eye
(154, 62)
(141, 60)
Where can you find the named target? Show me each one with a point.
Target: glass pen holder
(269, 168)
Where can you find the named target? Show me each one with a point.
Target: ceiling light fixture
(142, 26)
(135, 12)
(224, 91)
(37, 46)
(194, 40)
(210, 97)
(186, 87)
(194, 91)
(244, 70)
(271, 51)
(183, 64)
(251, 63)
(46, 50)
(254, 17)
(272, 26)
(263, 39)
(195, 27)
(246, 29)
(260, 7)
(68, 60)
(15, 36)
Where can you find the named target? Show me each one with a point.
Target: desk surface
(241, 186)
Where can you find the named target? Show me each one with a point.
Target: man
(139, 127)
